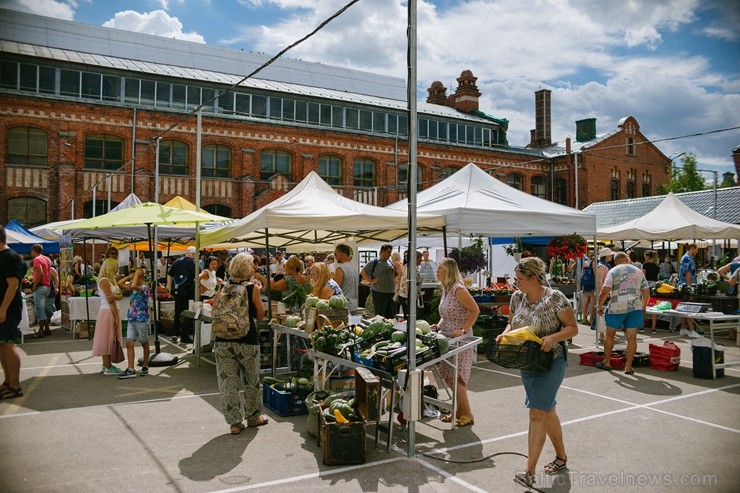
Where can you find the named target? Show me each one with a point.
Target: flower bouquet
(568, 247)
(471, 258)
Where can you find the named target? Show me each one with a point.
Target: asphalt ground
(75, 430)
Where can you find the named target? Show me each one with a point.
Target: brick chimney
(736, 159)
(542, 116)
(437, 94)
(466, 96)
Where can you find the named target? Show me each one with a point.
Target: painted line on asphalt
(304, 477)
(449, 476)
(17, 404)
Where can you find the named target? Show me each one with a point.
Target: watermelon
(398, 336)
(424, 326)
(311, 301)
(338, 301)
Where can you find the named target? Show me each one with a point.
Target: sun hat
(605, 252)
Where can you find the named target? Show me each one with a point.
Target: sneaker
(127, 373)
(113, 370)
(694, 334)
(683, 332)
(102, 369)
(144, 371)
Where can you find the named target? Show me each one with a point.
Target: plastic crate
(525, 356)
(392, 362)
(284, 403)
(617, 360)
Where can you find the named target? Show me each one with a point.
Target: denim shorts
(138, 330)
(542, 387)
(629, 320)
(9, 330)
(39, 301)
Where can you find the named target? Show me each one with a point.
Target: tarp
(179, 202)
(476, 204)
(671, 220)
(313, 213)
(21, 240)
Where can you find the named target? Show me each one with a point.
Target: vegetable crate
(343, 443)
(284, 403)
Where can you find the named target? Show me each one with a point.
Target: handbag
(117, 353)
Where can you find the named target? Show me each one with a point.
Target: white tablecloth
(78, 309)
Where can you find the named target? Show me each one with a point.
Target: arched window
(27, 146)
(216, 162)
(539, 188)
(614, 188)
(29, 211)
(103, 151)
(561, 191)
(630, 189)
(447, 171)
(273, 162)
(218, 209)
(363, 174)
(515, 180)
(101, 207)
(403, 177)
(173, 158)
(330, 169)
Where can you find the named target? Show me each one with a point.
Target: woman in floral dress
(458, 311)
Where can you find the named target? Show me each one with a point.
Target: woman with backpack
(236, 349)
(588, 298)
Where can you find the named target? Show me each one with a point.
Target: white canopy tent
(475, 203)
(671, 220)
(314, 214)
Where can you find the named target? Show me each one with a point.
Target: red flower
(568, 247)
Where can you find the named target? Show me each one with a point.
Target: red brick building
(83, 108)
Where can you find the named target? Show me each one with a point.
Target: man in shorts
(137, 328)
(10, 317)
(629, 297)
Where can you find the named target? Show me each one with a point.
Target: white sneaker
(683, 332)
(694, 334)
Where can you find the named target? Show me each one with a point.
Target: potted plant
(515, 249)
(568, 247)
(471, 258)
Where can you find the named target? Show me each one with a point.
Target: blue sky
(672, 64)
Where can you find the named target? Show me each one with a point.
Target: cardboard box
(343, 443)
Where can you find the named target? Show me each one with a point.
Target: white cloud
(157, 22)
(49, 8)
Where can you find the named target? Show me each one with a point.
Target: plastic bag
(600, 324)
(664, 305)
(518, 336)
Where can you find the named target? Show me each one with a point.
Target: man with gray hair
(629, 297)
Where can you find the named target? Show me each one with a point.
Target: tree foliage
(684, 178)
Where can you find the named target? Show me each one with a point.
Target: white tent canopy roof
(313, 213)
(671, 220)
(475, 203)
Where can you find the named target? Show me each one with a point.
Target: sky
(674, 65)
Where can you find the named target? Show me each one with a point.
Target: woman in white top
(108, 323)
(208, 281)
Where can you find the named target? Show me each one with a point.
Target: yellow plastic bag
(518, 336)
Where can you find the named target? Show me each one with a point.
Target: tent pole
(87, 288)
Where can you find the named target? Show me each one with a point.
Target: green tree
(684, 178)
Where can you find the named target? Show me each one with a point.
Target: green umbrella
(130, 223)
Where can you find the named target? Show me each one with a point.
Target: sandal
(556, 466)
(464, 421)
(447, 418)
(629, 371)
(601, 366)
(260, 421)
(237, 428)
(9, 393)
(525, 479)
